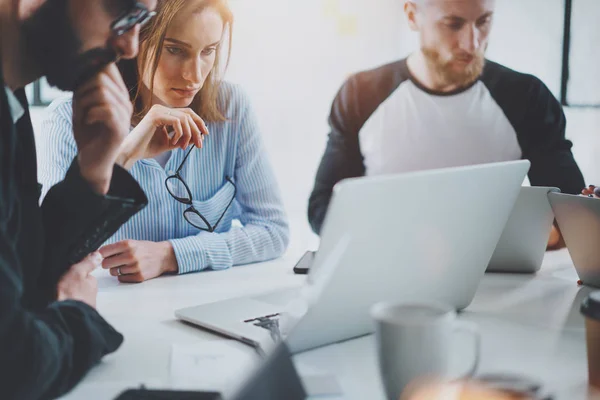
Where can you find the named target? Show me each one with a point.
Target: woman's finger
(187, 132)
(196, 133)
(198, 121)
(135, 278)
(176, 124)
(166, 132)
(124, 270)
(116, 248)
(118, 260)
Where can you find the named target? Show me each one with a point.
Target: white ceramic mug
(414, 342)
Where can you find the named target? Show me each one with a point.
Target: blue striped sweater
(255, 227)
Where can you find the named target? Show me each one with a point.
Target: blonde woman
(194, 148)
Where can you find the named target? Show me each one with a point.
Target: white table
(530, 325)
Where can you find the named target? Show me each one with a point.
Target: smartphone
(145, 394)
(303, 266)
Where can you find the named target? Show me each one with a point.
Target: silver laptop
(578, 218)
(411, 237)
(524, 241)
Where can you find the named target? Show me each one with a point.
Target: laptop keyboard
(268, 322)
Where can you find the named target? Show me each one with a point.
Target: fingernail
(97, 259)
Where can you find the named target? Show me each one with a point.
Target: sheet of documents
(212, 366)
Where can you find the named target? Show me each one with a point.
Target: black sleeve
(342, 158)
(540, 124)
(354, 104)
(45, 354)
(77, 220)
(545, 144)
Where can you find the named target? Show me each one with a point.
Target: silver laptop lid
(524, 240)
(420, 236)
(578, 218)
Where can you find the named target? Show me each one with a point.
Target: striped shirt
(254, 228)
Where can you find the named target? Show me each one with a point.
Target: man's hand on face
(101, 120)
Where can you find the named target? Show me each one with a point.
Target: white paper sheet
(211, 366)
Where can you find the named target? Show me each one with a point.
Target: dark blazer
(46, 347)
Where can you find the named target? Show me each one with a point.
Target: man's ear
(410, 9)
(27, 7)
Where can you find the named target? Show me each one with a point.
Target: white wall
(292, 56)
(585, 80)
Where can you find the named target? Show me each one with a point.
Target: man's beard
(446, 73)
(55, 46)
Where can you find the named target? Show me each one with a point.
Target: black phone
(303, 266)
(146, 394)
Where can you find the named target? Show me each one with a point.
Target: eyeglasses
(138, 14)
(181, 192)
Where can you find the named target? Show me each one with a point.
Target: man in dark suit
(50, 332)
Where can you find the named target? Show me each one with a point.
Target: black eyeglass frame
(138, 14)
(189, 200)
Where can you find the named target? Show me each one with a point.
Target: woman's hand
(135, 261)
(161, 130)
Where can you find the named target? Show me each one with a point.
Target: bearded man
(50, 331)
(445, 105)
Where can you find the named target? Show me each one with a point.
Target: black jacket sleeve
(77, 220)
(46, 348)
(342, 158)
(545, 145)
(354, 104)
(43, 355)
(540, 124)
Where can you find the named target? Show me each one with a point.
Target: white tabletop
(530, 325)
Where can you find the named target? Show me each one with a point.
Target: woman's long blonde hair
(152, 37)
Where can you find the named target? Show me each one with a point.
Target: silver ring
(119, 271)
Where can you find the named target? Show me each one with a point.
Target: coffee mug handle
(473, 330)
